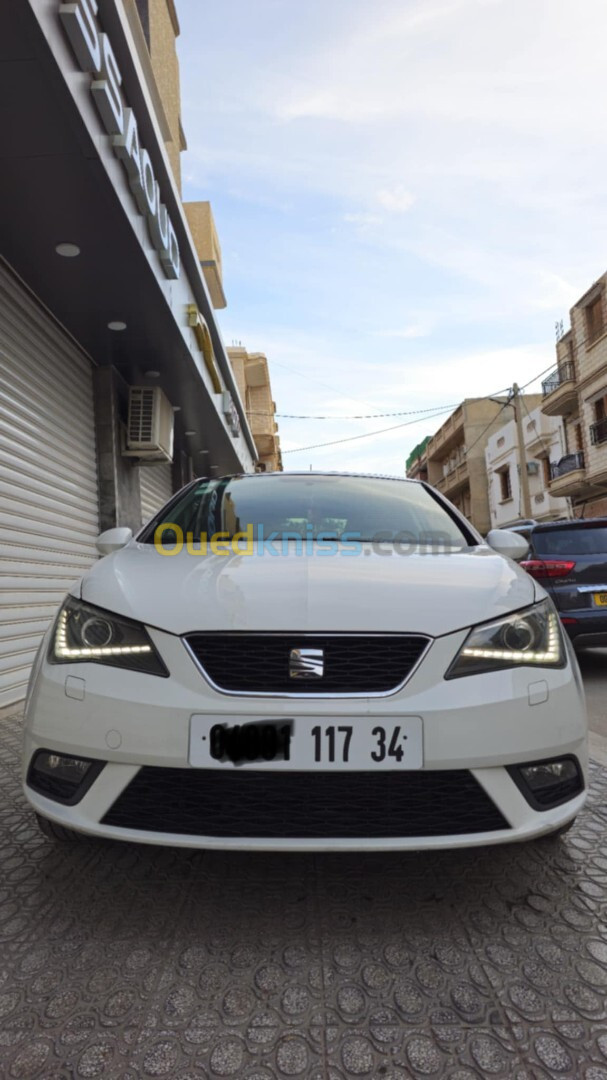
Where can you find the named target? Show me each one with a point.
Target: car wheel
(52, 831)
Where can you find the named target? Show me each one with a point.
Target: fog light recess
(548, 783)
(62, 777)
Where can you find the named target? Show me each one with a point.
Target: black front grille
(353, 663)
(222, 803)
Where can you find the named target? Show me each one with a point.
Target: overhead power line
(312, 378)
(535, 377)
(421, 414)
(360, 416)
(367, 434)
(486, 429)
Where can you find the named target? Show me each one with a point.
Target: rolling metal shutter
(48, 476)
(156, 486)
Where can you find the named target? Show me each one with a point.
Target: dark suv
(569, 558)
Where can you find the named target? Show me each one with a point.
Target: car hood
(371, 592)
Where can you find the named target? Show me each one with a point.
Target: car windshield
(313, 507)
(584, 540)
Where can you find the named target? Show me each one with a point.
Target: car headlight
(86, 633)
(529, 638)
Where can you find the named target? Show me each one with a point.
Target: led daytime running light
(64, 651)
(550, 656)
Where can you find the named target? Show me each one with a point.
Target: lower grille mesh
(251, 803)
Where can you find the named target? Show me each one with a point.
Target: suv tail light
(548, 568)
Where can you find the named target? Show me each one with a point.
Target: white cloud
(397, 199)
(331, 120)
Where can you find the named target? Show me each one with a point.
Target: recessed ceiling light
(203, 451)
(116, 325)
(176, 408)
(191, 433)
(152, 374)
(69, 251)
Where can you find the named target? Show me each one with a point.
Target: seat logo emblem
(306, 664)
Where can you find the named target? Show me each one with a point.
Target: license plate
(306, 743)
(600, 599)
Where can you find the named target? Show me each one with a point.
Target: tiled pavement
(133, 962)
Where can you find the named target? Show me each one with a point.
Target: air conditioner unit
(150, 424)
(533, 468)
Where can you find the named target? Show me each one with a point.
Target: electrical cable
(312, 378)
(420, 413)
(485, 430)
(367, 434)
(535, 377)
(360, 416)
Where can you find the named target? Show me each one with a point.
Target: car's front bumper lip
(482, 723)
(527, 825)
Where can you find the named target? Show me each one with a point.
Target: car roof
(571, 523)
(315, 472)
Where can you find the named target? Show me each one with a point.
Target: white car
(306, 661)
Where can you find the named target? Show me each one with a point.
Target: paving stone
(128, 961)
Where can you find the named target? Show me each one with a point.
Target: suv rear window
(579, 540)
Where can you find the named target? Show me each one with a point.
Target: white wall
(501, 450)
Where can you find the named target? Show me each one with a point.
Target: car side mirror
(113, 540)
(511, 544)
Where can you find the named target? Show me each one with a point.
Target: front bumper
(477, 726)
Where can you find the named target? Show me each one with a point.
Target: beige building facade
(453, 460)
(252, 375)
(417, 462)
(577, 391)
(156, 29)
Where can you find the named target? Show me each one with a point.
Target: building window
(546, 470)
(577, 438)
(598, 430)
(594, 319)
(505, 484)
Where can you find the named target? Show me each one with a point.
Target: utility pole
(522, 457)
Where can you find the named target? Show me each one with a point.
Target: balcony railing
(451, 465)
(567, 464)
(598, 432)
(564, 373)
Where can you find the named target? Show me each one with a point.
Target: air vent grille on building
(141, 413)
(150, 424)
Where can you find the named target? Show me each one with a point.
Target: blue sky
(408, 195)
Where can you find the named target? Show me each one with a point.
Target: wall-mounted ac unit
(533, 468)
(150, 424)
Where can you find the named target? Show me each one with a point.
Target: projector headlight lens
(530, 638)
(84, 633)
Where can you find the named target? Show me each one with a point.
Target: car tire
(52, 831)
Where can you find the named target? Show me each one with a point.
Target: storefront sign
(231, 413)
(94, 54)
